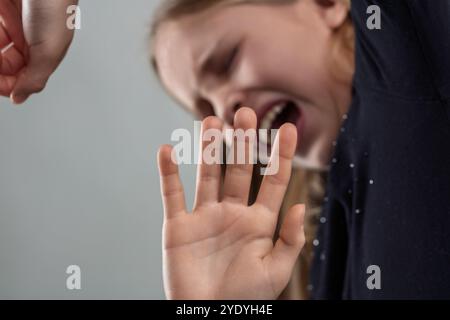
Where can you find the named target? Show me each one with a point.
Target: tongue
(289, 114)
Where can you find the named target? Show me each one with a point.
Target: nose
(231, 111)
(227, 104)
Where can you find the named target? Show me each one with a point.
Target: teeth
(266, 122)
(269, 118)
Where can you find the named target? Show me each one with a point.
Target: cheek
(284, 67)
(320, 121)
(304, 73)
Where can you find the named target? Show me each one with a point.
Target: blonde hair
(306, 186)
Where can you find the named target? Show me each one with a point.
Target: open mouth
(277, 115)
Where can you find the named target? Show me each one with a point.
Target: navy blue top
(388, 198)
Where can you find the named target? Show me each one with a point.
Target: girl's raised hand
(224, 248)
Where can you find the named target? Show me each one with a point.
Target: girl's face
(275, 59)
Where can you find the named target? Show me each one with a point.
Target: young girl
(384, 226)
(291, 62)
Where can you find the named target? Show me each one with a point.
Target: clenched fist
(40, 37)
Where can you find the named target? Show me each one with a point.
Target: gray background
(78, 176)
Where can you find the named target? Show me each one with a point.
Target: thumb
(281, 261)
(31, 79)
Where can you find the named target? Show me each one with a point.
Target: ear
(333, 12)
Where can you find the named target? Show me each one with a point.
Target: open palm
(224, 248)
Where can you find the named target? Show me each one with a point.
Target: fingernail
(19, 98)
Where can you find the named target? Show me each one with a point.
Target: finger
(32, 79)
(12, 61)
(12, 20)
(281, 261)
(171, 187)
(6, 84)
(274, 185)
(24, 51)
(209, 169)
(18, 5)
(4, 37)
(238, 175)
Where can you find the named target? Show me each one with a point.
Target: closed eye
(227, 65)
